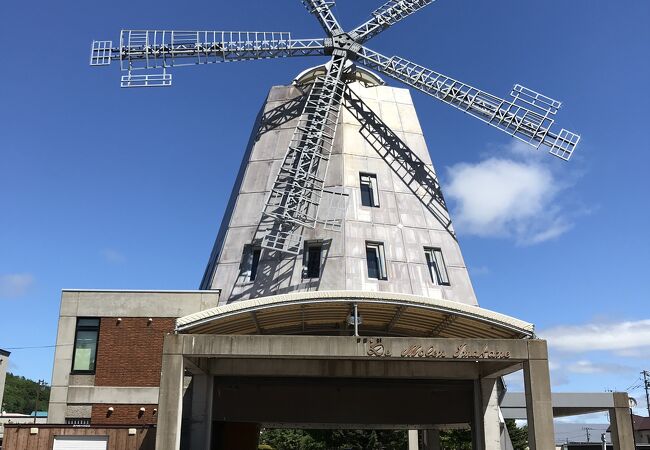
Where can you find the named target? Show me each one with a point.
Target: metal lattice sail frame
(299, 188)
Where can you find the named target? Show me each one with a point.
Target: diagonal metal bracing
(256, 322)
(387, 15)
(396, 317)
(298, 188)
(321, 9)
(442, 326)
(415, 173)
(530, 124)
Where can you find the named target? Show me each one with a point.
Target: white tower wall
(401, 222)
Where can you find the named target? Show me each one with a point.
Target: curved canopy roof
(327, 312)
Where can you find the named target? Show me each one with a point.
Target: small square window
(84, 356)
(437, 266)
(250, 261)
(312, 259)
(369, 191)
(376, 261)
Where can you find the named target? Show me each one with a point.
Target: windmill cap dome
(360, 74)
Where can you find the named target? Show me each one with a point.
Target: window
(249, 261)
(312, 259)
(437, 267)
(77, 442)
(85, 345)
(376, 261)
(77, 422)
(369, 191)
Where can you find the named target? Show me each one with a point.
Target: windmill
(298, 195)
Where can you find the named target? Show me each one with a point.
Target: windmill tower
(350, 198)
(337, 226)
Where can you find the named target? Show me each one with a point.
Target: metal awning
(382, 314)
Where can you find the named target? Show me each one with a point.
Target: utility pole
(41, 384)
(646, 385)
(587, 429)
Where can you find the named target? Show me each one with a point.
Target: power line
(646, 383)
(36, 346)
(636, 383)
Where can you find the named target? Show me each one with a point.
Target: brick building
(108, 356)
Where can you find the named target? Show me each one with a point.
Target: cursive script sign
(376, 348)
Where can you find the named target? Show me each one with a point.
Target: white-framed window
(312, 259)
(249, 261)
(437, 266)
(376, 261)
(369, 190)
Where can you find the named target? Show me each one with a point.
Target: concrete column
(4, 363)
(478, 435)
(413, 440)
(432, 440)
(539, 409)
(486, 429)
(170, 401)
(621, 423)
(201, 420)
(491, 420)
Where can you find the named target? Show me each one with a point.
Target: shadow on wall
(274, 273)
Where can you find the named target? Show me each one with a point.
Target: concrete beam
(116, 395)
(372, 369)
(564, 404)
(115, 303)
(349, 347)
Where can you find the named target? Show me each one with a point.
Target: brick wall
(123, 415)
(129, 352)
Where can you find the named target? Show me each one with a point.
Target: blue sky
(108, 188)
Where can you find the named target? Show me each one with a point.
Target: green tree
(281, 439)
(456, 439)
(21, 393)
(518, 435)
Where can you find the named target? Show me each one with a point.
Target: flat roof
(153, 291)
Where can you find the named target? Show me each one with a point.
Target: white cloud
(621, 337)
(514, 196)
(113, 256)
(15, 285)
(590, 367)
